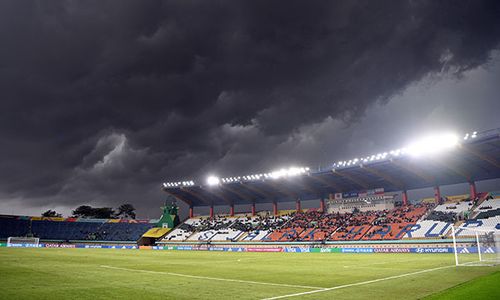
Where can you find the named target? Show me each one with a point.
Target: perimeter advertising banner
(184, 248)
(432, 250)
(462, 250)
(264, 249)
(105, 247)
(392, 250)
(298, 249)
(25, 245)
(52, 245)
(164, 247)
(357, 250)
(234, 249)
(216, 249)
(326, 250)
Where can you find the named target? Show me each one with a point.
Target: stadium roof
(475, 158)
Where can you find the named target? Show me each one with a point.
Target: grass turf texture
(79, 273)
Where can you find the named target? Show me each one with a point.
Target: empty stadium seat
(88, 229)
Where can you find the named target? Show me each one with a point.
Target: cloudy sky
(102, 101)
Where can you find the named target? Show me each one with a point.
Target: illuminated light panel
(213, 180)
(432, 144)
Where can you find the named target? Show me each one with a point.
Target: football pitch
(147, 274)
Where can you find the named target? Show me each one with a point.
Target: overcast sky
(102, 101)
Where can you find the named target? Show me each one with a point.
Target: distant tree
(126, 211)
(86, 211)
(103, 213)
(83, 211)
(51, 213)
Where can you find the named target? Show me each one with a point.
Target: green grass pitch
(143, 274)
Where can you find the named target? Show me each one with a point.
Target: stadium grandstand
(74, 229)
(357, 202)
(356, 198)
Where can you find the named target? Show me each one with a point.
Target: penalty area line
(213, 278)
(358, 283)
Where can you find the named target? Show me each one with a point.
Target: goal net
(481, 249)
(23, 242)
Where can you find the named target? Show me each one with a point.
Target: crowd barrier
(303, 249)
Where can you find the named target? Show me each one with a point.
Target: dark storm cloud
(102, 100)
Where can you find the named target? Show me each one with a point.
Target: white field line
(358, 283)
(214, 278)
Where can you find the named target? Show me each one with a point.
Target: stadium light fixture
(432, 144)
(285, 172)
(178, 184)
(426, 146)
(213, 180)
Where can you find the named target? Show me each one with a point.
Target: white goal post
(23, 242)
(482, 246)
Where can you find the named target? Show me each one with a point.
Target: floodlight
(278, 174)
(212, 180)
(433, 144)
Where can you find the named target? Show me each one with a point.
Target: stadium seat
(428, 229)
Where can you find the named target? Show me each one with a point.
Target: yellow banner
(156, 232)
